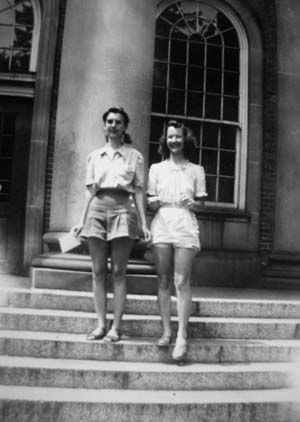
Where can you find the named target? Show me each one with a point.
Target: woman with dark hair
(114, 202)
(176, 191)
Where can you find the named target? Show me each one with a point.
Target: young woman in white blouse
(176, 191)
(114, 201)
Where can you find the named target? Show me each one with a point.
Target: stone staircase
(241, 366)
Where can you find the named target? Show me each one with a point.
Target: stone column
(287, 233)
(107, 60)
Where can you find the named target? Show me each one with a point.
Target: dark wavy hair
(189, 148)
(122, 112)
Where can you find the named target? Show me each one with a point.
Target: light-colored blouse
(169, 181)
(121, 168)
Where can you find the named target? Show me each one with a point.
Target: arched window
(19, 33)
(200, 77)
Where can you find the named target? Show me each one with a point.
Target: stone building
(228, 68)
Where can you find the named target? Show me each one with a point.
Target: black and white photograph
(149, 211)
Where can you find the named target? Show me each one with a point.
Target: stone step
(75, 346)
(71, 405)
(67, 373)
(147, 304)
(150, 325)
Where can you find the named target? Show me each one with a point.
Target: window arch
(19, 35)
(200, 77)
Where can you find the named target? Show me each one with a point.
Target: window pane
(214, 81)
(177, 76)
(23, 37)
(210, 135)
(161, 49)
(176, 102)
(210, 160)
(154, 156)
(162, 27)
(231, 109)
(226, 190)
(223, 22)
(231, 83)
(211, 182)
(24, 13)
(6, 33)
(16, 32)
(214, 57)
(6, 146)
(230, 38)
(196, 131)
(196, 54)
(195, 78)
(178, 51)
(5, 189)
(159, 100)
(5, 168)
(160, 74)
(8, 124)
(4, 60)
(227, 163)
(215, 39)
(178, 33)
(20, 61)
(171, 14)
(195, 158)
(209, 31)
(156, 130)
(7, 15)
(213, 107)
(231, 60)
(228, 137)
(194, 104)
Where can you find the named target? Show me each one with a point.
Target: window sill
(219, 214)
(21, 77)
(223, 214)
(17, 84)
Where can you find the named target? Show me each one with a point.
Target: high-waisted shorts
(175, 225)
(112, 214)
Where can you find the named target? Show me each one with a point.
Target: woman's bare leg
(120, 252)
(183, 261)
(99, 250)
(163, 254)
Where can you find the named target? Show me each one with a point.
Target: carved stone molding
(40, 129)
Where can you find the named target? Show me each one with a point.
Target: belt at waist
(172, 205)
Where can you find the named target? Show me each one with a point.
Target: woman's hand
(146, 233)
(153, 202)
(76, 230)
(195, 205)
(186, 201)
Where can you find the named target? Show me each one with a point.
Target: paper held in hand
(68, 242)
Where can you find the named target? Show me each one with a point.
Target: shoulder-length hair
(122, 112)
(189, 148)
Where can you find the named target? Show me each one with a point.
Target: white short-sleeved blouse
(169, 181)
(121, 168)
(172, 222)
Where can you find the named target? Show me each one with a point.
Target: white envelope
(68, 242)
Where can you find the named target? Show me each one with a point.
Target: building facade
(229, 69)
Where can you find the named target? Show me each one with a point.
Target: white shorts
(176, 225)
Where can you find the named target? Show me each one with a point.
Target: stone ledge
(78, 262)
(74, 272)
(51, 240)
(282, 270)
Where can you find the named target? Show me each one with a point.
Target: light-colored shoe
(113, 336)
(180, 350)
(164, 341)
